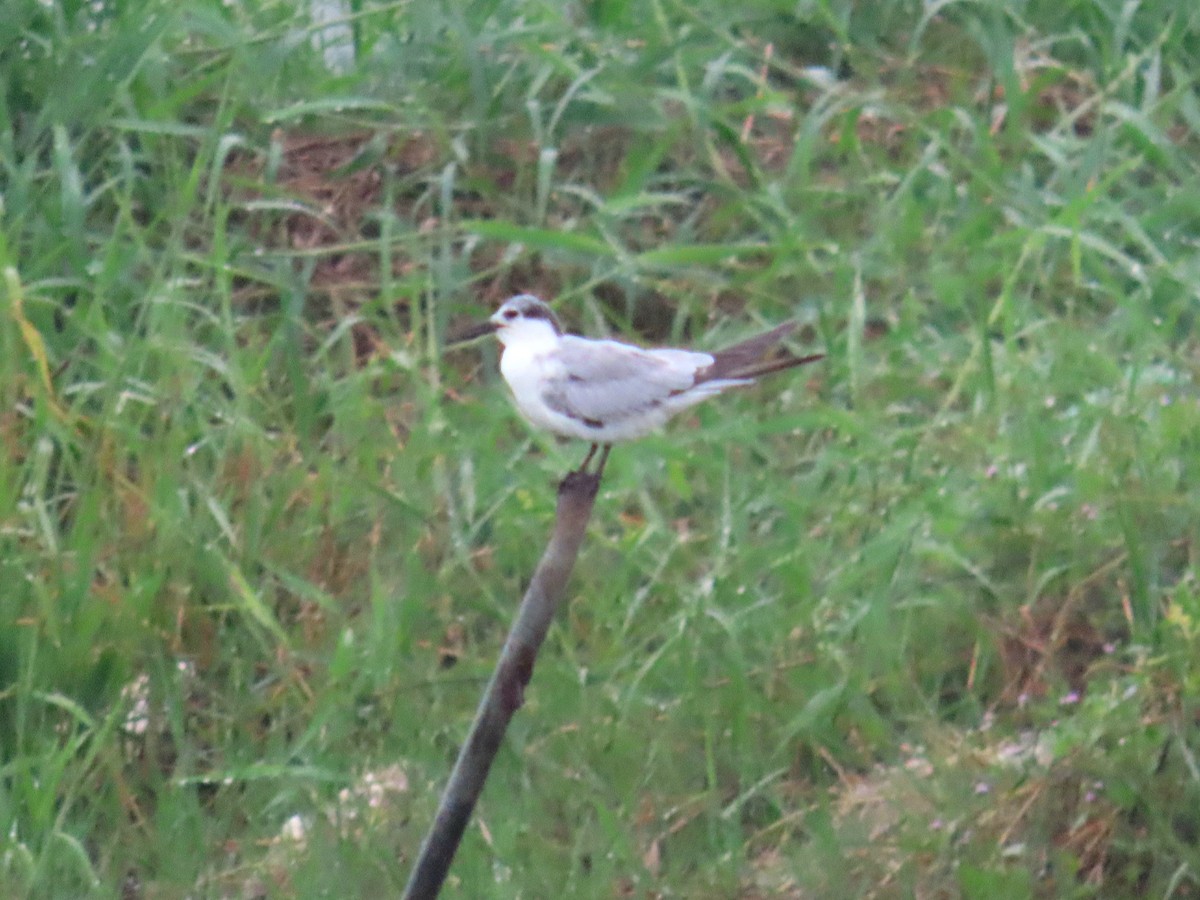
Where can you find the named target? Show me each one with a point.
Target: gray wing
(606, 379)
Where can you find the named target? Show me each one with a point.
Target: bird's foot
(582, 482)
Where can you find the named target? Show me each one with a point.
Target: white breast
(526, 368)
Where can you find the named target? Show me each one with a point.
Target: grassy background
(923, 620)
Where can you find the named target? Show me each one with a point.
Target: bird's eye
(510, 314)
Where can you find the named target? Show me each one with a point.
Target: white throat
(530, 335)
(530, 362)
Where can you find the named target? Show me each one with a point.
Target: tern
(606, 392)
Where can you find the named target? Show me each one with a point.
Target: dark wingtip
(768, 366)
(753, 356)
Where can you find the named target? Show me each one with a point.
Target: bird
(607, 392)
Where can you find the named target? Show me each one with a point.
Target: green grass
(920, 621)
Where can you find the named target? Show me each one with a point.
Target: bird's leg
(587, 459)
(603, 461)
(583, 466)
(581, 479)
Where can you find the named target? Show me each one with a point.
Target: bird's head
(524, 318)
